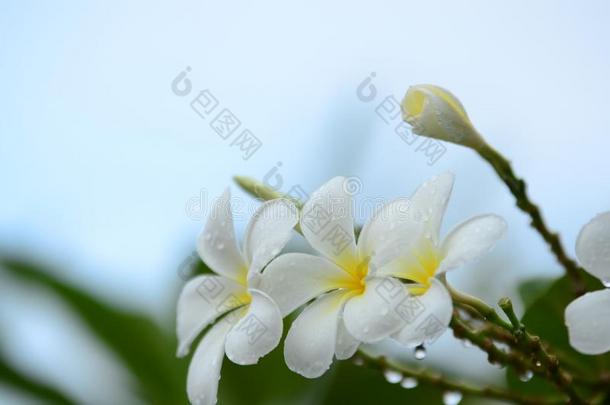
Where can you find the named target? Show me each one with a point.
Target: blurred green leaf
(544, 316)
(15, 379)
(145, 349)
(532, 289)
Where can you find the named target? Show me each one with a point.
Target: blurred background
(108, 164)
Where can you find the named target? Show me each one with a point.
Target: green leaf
(15, 379)
(532, 289)
(145, 349)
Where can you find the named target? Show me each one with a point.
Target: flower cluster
(381, 285)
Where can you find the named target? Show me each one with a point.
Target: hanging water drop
(452, 397)
(526, 376)
(420, 352)
(409, 383)
(538, 364)
(606, 282)
(466, 343)
(392, 376)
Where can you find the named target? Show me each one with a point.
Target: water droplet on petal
(420, 352)
(208, 236)
(606, 282)
(220, 246)
(391, 376)
(408, 383)
(525, 377)
(384, 311)
(452, 397)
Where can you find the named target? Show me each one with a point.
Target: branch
(518, 188)
(437, 380)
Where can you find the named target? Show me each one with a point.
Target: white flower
(588, 317)
(357, 296)
(423, 256)
(436, 113)
(252, 326)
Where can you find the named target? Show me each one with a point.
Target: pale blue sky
(98, 157)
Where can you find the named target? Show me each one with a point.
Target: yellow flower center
(357, 271)
(420, 267)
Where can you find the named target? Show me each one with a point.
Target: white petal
(429, 203)
(593, 246)
(204, 370)
(427, 316)
(390, 232)
(376, 314)
(296, 278)
(347, 345)
(257, 333)
(310, 344)
(217, 246)
(268, 232)
(471, 240)
(588, 322)
(201, 301)
(327, 222)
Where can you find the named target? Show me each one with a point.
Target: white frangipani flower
(252, 326)
(358, 295)
(423, 255)
(588, 317)
(434, 112)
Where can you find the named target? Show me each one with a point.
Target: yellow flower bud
(434, 112)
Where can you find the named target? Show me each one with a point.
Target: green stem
(437, 380)
(518, 188)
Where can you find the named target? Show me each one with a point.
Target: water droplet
(467, 343)
(420, 352)
(452, 397)
(366, 329)
(384, 311)
(358, 361)
(391, 376)
(220, 246)
(525, 377)
(275, 252)
(606, 282)
(408, 383)
(208, 236)
(538, 364)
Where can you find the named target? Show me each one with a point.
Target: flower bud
(434, 112)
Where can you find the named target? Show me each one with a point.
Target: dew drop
(384, 311)
(452, 398)
(208, 236)
(408, 383)
(606, 282)
(220, 246)
(466, 343)
(358, 361)
(391, 376)
(525, 377)
(420, 352)
(538, 364)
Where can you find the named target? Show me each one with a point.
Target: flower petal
(588, 322)
(202, 300)
(376, 313)
(257, 333)
(428, 316)
(296, 278)
(217, 245)
(327, 222)
(471, 240)
(310, 344)
(347, 345)
(389, 232)
(429, 203)
(268, 232)
(593, 246)
(204, 370)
